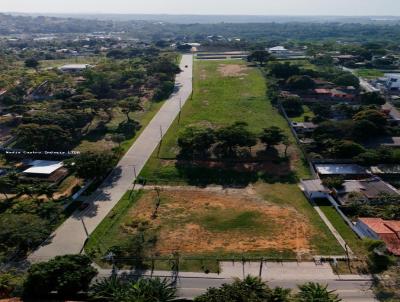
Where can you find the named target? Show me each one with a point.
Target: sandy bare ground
(184, 217)
(232, 70)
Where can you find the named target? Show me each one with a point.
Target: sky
(225, 7)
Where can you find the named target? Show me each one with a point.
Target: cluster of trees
(385, 207)
(297, 78)
(69, 277)
(342, 139)
(26, 224)
(134, 77)
(197, 142)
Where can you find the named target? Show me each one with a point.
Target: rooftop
(340, 169)
(370, 188)
(74, 66)
(314, 185)
(377, 225)
(385, 169)
(387, 230)
(44, 167)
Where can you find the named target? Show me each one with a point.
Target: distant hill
(204, 19)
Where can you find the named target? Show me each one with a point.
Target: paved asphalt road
(70, 237)
(351, 288)
(349, 291)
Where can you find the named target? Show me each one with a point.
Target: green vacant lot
(224, 92)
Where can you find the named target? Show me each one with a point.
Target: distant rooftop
(44, 167)
(74, 67)
(340, 169)
(370, 188)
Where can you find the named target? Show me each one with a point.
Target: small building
(393, 81)
(45, 170)
(314, 189)
(392, 113)
(304, 128)
(386, 230)
(367, 190)
(345, 170)
(386, 170)
(74, 68)
(277, 50)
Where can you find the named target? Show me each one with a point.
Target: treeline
(259, 32)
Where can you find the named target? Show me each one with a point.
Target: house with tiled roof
(386, 230)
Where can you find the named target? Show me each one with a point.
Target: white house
(277, 50)
(74, 68)
(314, 188)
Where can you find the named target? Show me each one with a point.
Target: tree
(347, 79)
(346, 149)
(19, 233)
(272, 136)
(364, 130)
(283, 70)
(34, 137)
(9, 283)
(114, 289)
(32, 63)
(333, 182)
(314, 292)
(164, 91)
(251, 289)
(129, 105)
(378, 258)
(293, 106)
(372, 98)
(118, 138)
(234, 136)
(372, 115)
(5, 185)
(195, 141)
(92, 164)
(66, 275)
(299, 82)
(47, 190)
(259, 56)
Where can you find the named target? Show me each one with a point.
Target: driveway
(70, 237)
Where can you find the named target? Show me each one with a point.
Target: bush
(65, 275)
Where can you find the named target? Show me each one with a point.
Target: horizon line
(194, 14)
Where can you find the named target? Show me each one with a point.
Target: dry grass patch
(198, 221)
(233, 70)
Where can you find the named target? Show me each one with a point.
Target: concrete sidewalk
(70, 237)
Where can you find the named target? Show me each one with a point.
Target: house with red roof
(386, 230)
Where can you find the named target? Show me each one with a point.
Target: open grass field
(263, 216)
(210, 223)
(224, 92)
(369, 73)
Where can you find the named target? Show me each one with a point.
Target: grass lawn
(354, 242)
(306, 112)
(369, 73)
(224, 92)
(287, 194)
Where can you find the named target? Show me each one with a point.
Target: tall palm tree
(111, 289)
(315, 292)
(115, 289)
(279, 294)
